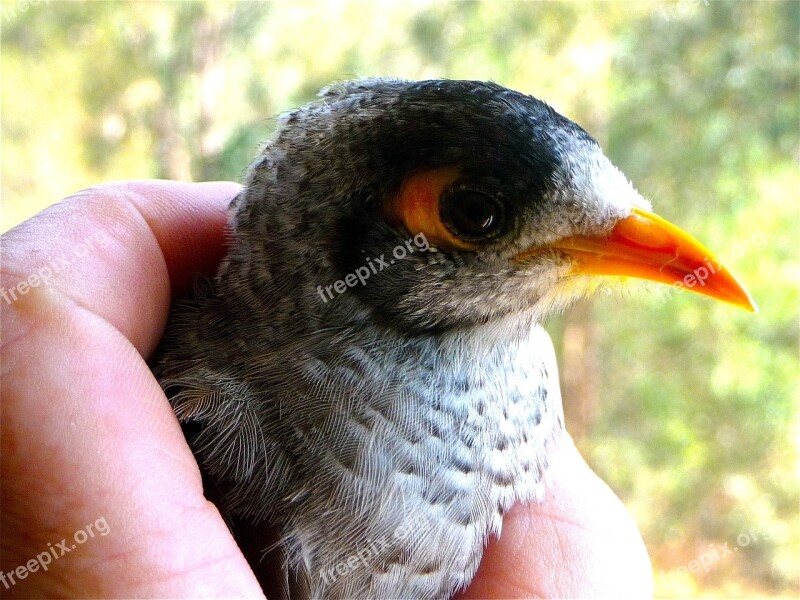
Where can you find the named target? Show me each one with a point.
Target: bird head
(441, 204)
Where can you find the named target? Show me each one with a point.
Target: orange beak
(646, 246)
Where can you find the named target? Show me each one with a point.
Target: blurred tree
(707, 120)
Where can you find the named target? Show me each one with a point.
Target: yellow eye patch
(416, 207)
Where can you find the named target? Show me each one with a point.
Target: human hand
(90, 445)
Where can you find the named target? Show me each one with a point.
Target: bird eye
(452, 215)
(471, 214)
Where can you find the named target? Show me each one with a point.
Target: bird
(367, 372)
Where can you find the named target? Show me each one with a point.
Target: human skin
(88, 434)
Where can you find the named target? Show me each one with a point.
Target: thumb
(578, 542)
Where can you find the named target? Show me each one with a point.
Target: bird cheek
(545, 271)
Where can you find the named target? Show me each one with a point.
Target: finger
(86, 432)
(579, 542)
(88, 435)
(118, 250)
(188, 222)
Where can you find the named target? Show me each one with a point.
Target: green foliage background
(687, 408)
